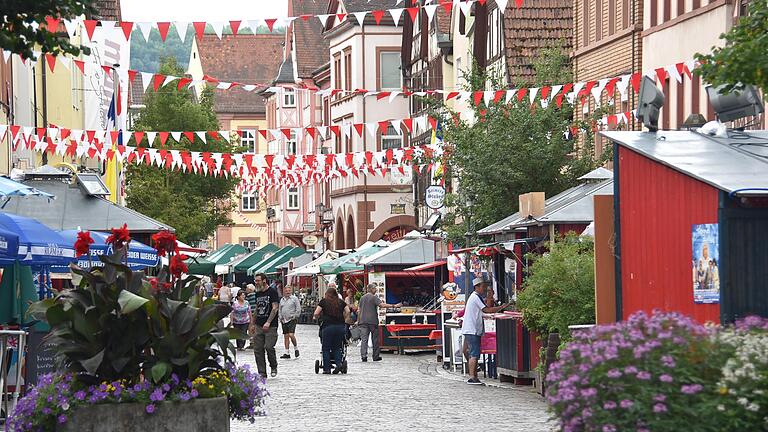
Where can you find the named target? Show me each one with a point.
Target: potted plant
(138, 353)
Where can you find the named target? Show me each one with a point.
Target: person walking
(225, 294)
(368, 321)
(473, 327)
(264, 326)
(290, 309)
(250, 297)
(240, 317)
(333, 314)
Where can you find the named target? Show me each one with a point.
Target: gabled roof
(530, 28)
(243, 58)
(736, 165)
(574, 205)
(309, 44)
(73, 209)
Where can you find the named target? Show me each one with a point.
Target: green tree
(744, 57)
(560, 289)
(512, 148)
(193, 204)
(20, 32)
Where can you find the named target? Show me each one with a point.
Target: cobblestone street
(398, 393)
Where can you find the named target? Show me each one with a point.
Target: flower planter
(201, 415)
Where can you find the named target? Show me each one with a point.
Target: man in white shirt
(473, 327)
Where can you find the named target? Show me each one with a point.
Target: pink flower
(659, 408)
(665, 378)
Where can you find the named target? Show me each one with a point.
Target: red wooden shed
(691, 221)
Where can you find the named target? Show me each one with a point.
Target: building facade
(367, 57)
(248, 59)
(294, 103)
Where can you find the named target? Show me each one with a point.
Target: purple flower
(660, 398)
(665, 378)
(609, 405)
(630, 370)
(194, 393)
(643, 375)
(691, 389)
(184, 396)
(166, 387)
(668, 361)
(614, 373)
(150, 408)
(157, 395)
(80, 395)
(61, 418)
(659, 408)
(626, 404)
(589, 392)
(609, 428)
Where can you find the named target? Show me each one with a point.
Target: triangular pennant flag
(151, 138)
(359, 128)
(673, 72)
(50, 59)
(176, 136)
(372, 128)
(182, 82)
(234, 26)
(163, 138)
(80, 65)
(360, 17)
(413, 12)
(190, 136)
(127, 27)
(224, 134)
(163, 27)
(465, 8)
(181, 29)
(270, 22)
(323, 19)
(146, 79)
(201, 135)
(378, 14)
(157, 81)
(146, 29)
(218, 28)
(138, 136)
(90, 26)
(396, 14)
(199, 29)
(341, 16)
(502, 4)
(430, 10)
(533, 91)
(71, 26)
(254, 25)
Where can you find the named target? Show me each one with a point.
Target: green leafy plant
(743, 59)
(560, 290)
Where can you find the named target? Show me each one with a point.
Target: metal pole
(467, 258)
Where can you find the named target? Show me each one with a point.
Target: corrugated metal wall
(658, 207)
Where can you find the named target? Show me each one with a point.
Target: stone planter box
(201, 415)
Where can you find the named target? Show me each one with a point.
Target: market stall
(237, 269)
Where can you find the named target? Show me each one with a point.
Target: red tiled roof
(136, 96)
(248, 59)
(108, 10)
(311, 47)
(443, 19)
(535, 25)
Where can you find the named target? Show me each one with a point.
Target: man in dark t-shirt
(264, 325)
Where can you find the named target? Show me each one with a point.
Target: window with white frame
(250, 244)
(293, 198)
(391, 139)
(493, 42)
(291, 147)
(289, 98)
(250, 202)
(248, 140)
(389, 70)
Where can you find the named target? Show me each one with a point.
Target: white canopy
(313, 267)
(414, 248)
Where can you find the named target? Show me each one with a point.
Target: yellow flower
(210, 386)
(723, 390)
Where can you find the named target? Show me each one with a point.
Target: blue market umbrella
(9, 247)
(9, 188)
(38, 244)
(140, 256)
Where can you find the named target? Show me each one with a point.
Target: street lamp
(469, 203)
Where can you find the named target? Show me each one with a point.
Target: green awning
(200, 266)
(17, 292)
(225, 253)
(243, 264)
(280, 257)
(349, 262)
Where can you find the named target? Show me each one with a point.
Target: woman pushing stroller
(333, 314)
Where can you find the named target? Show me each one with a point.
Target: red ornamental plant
(120, 237)
(177, 266)
(165, 242)
(83, 243)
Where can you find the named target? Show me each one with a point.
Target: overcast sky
(201, 10)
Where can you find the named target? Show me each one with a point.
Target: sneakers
(286, 356)
(296, 353)
(474, 381)
(364, 359)
(377, 359)
(273, 373)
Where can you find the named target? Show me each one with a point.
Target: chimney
(532, 204)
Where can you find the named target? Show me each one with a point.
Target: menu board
(40, 357)
(380, 280)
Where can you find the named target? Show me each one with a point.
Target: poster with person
(706, 275)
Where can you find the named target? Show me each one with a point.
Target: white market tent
(414, 248)
(313, 267)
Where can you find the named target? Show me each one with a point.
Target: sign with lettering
(398, 208)
(40, 357)
(435, 197)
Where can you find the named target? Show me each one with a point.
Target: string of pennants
(256, 170)
(545, 94)
(413, 125)
(163, 27)
(245, 219)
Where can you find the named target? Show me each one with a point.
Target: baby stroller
(319, 363)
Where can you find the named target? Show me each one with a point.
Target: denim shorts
(473, 342)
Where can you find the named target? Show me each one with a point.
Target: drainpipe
(45, 104)
(365, 138)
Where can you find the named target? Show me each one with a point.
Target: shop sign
(309, 240)
(310, 226)
(435, 197)
(380, 280)
(395, 234)
(397, 209)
